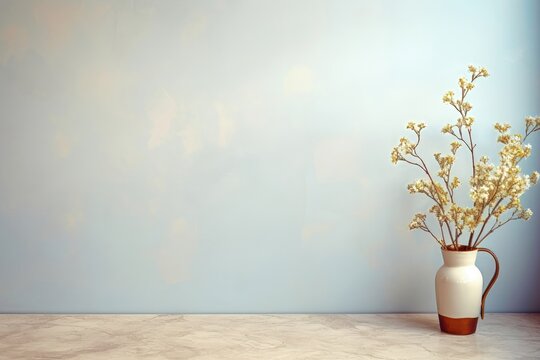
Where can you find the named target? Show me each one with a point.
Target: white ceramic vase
(458, 289)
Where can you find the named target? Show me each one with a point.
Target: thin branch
(486, 221)
(426, 229)
(499, 224)
(442, 232)
(426, 171)
(469, 130)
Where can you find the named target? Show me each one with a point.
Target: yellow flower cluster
(482, 71)
(445, 164)
(405, 147)
(495, 190)
(418, 221)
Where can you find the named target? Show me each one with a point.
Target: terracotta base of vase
(463, 326)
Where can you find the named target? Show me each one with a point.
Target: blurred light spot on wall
(158, 183)
(153, 206)
(337, 159)
(73, 220)
(161, 113)
(132, 24)
(124, 151)
(175, 254)
(193, 28)
(191, 139)
(13, 42)
(226, 125)
(104, 82)
(63, 144)
(299, 80)
(310, 231)
(373, 252)
(370, 205)
(58, 20)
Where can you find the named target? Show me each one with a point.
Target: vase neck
(459, 258)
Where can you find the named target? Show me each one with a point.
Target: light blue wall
(234, 156)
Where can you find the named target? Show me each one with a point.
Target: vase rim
(461, 248)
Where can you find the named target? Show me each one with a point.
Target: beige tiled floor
(411, 336)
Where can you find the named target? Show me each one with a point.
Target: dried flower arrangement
(495, 190)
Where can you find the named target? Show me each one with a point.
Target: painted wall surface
(234, 156)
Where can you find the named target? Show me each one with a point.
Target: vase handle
(493, 279)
